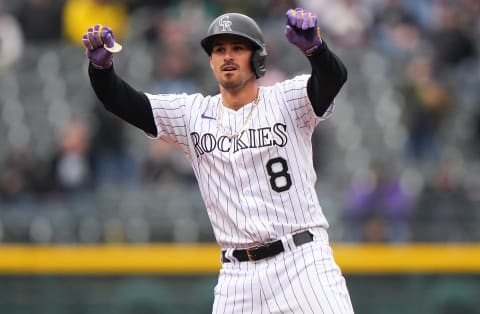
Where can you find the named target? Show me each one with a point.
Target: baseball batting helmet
(243, 26)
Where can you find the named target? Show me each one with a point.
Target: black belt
(268, 249)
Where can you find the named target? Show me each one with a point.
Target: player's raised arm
(328, 72)
(116, 95)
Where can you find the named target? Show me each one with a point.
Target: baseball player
(251, 152)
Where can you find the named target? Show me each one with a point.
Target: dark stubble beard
(235, 86)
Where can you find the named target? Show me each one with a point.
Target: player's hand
(302, 30)
(101, 45)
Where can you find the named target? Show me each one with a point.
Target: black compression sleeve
(121, 99)
(328, 76)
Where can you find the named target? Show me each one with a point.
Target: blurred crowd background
(399, 160)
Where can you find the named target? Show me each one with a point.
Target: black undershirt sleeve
(122, 100)
(328, 76)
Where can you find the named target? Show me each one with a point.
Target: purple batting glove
(302, 30)
(95, 41)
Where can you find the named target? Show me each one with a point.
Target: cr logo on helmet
(225, 24)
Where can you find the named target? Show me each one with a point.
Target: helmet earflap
(258, 62)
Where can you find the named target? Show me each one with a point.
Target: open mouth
(228, 68)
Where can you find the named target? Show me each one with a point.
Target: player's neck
(236, 99)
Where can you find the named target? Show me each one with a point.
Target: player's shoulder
(300, 79)
(197, 98)
(296, 82)
(197, 102)
(183, 99)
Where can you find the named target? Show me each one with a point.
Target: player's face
(230, 62)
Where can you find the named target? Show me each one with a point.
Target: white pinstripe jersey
(256, 186)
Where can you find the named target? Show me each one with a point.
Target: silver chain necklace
(245, 123)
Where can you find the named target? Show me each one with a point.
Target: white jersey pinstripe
(233, 174)
(259, 187)
(303, 279)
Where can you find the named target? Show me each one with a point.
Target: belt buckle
(251, 254)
